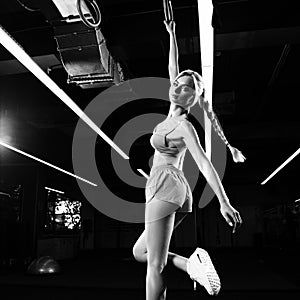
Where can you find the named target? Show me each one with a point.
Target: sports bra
(160, 142)
(170, 150)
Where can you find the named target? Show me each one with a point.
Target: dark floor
(244, 273)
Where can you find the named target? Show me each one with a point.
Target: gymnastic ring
(84, 19)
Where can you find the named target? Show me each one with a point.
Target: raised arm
(192, 142)
(173, 51)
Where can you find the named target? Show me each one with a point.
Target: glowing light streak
(15, 49)
(281, 166)
(143, 173)
(53, 190)
(205, 10)
(44, 162)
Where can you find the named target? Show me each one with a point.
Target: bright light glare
(44, 162)
(205, 11)
(281, 166)
(5, 129)
(15, 49)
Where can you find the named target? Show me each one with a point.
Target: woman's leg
(140, 249)
(158, 235)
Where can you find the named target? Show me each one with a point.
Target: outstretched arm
(192, 142)
(173, 51)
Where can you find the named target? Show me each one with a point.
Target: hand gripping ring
(168, 10)
(88, 23)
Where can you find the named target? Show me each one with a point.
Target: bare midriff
(164, 159)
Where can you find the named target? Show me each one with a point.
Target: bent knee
(139, 253)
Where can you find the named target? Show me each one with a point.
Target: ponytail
(236, 154)
(207, 107)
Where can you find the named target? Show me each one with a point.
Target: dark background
(256, 63)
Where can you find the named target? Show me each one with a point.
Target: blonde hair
(203, 103)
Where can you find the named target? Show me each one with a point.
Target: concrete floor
(112, 274)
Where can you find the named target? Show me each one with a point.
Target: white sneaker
(201, 269)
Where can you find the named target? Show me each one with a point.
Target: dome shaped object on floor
(44, 265)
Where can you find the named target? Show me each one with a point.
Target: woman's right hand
(170, 26)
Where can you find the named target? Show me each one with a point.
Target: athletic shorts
(167, 183)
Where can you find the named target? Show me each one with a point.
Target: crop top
(168, 150)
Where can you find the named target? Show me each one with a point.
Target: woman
(168, 195)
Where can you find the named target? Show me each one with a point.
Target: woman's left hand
(237, 155)
(231, 215)
(170, 26)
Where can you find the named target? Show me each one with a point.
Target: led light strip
(15, 49)
(44, 162)
(53, 190)
(281, 166)
(143, 173)
(205, 11)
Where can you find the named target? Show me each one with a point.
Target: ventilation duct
(80, 43)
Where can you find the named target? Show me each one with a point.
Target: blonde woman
(168, 195)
